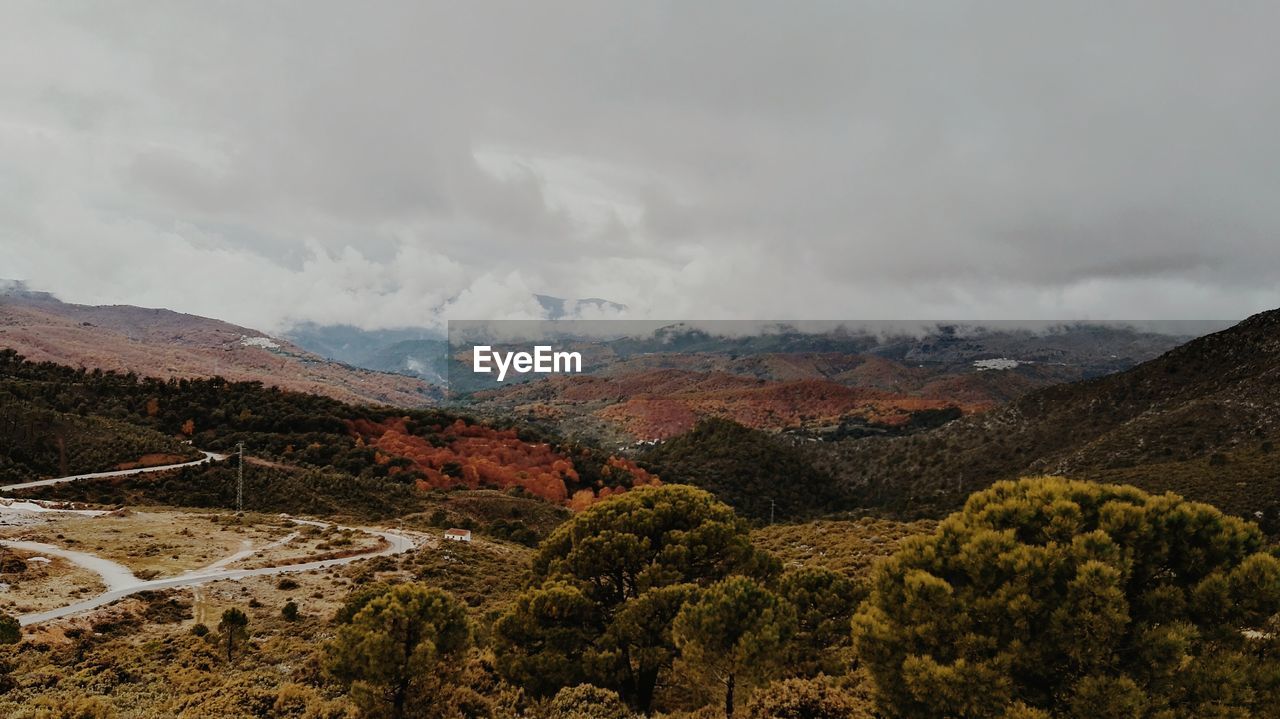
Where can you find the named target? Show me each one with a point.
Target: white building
(458, 535)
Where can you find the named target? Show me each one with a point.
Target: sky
(393, 164)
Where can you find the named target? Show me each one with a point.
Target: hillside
(38, 442)
(165, 344)
(400, 450)
(758, 474)
(1192, 419)
(819, 384)
(660, 404)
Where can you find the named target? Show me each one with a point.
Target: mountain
(558, 308)
(1200, 419)
(162, 343)
(413, 351)
(660, 404)
(827, 385)
(1084, 349)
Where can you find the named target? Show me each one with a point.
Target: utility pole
(771, 508)
(240, 478)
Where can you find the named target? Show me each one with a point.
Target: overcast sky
(387, 164)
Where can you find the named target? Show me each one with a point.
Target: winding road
(208, 457)
(120, 580)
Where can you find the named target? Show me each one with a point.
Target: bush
(290, 611)
(586, 701)
(199, 630)
(1067, 597)
(73, 708)
(804, 699)
(10, 629)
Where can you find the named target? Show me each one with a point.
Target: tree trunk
(398, 699)
(645, 682)
(728, 697)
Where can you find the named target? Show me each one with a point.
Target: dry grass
(156, 543)
(45, 585)
(310, 544)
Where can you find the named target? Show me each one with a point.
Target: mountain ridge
(1190, 407)
(165, 343)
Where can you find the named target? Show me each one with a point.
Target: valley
(801, 471)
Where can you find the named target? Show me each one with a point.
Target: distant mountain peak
(558, 308)
(19, 288)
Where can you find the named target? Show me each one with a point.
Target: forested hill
(39, 442)
(57, 418)
(1201, 419)
(761, 475)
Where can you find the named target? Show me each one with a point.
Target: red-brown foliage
(475, 456)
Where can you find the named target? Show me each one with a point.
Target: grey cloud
(732, 159)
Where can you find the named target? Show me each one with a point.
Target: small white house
(458, 535)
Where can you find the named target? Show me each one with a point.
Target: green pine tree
(734, 633)
(1056, 598)
(396, 644)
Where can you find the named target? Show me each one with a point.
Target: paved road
(121, 582)
(208, 456)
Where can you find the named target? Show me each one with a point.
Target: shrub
(234, 625)
(804, 699)
(75, 707)
(10, 629)
(586, 701)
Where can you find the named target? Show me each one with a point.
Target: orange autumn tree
(472, 455)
